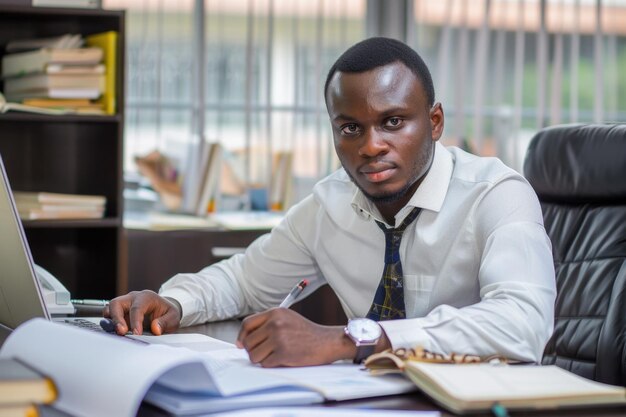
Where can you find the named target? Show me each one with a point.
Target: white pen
(90, 302)
(294, 293)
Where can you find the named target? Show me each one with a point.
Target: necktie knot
(405, 223)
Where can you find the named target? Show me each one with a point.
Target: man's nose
(373, 144)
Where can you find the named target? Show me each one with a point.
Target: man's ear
(436, 121)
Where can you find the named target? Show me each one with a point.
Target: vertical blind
(505, 68)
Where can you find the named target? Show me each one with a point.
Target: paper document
(181, 373)
(326, 412)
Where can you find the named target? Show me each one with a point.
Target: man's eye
(350, 129)
(394, 122)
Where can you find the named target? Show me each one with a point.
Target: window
(504, 68)
(265, 63)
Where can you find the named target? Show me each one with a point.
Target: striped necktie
(388, 301)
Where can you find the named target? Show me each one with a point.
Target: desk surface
(228, 330)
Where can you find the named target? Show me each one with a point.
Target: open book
(467, 386)
(99, 374)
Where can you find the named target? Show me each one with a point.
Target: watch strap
(363, 351)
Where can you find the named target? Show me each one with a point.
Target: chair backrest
(579, 174)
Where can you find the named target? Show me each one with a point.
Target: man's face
(384, 130)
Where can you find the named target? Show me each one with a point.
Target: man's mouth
(378, 173)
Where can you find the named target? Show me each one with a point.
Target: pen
(294, 293)
(91, 302)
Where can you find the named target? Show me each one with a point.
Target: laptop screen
(20, 294)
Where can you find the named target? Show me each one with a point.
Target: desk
(227, 331)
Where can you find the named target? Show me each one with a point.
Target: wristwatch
(365, 334)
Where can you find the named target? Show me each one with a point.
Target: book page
(485, 382)
(96, 374)
(234, 374)
(183, 404)
(345, 381)
(193, 341)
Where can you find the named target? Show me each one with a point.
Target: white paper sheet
(103, 375)
(325, 412)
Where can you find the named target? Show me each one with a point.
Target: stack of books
(201, 188)
(39, 205)
(22, 388)
(56, 73)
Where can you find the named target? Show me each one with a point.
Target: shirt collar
(429, 195)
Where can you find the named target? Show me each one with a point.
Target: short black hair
(377, 52)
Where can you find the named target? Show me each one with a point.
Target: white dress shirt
(478, 269)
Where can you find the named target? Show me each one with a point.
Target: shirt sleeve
(254, 281)
(515, 315)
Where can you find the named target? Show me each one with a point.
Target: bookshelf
(76, 154)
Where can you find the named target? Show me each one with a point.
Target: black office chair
(579, 174)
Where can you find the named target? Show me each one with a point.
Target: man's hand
(161, 314)
(282, 337)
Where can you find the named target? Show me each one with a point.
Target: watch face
(364, 330)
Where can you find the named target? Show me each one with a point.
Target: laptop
(21, 295)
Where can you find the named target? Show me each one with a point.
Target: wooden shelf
(31, 11)
(77, 223)
(72, 154)
(53, 118)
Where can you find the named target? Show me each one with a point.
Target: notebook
(21, 297)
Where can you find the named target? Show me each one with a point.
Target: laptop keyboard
(85, 324)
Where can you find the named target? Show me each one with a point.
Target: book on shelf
(208, 190)
(68, 105)
(35, 82)
(21, 385)
(473, 387)
(56, 103)
(55, 93)
(281, 183)
(75, 69)
(181, 373)
(66, 214)
(83, 4)
(39, 206)
(66, 41)
(47, 207)
(8, 106)
(58, 198)
(107, 42)
(22, 63)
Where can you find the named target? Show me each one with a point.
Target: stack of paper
(34, 205)
(200, 375)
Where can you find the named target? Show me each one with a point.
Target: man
(468, 269)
